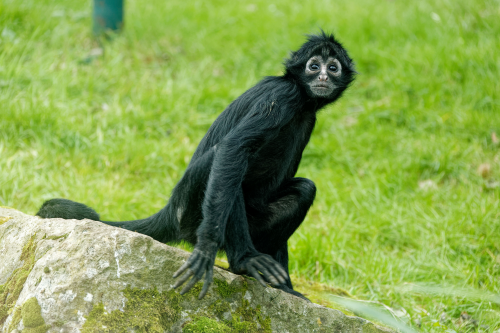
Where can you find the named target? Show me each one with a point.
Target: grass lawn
(407, 164)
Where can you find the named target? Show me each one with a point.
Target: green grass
(118, 133)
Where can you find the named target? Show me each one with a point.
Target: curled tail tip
(67, 209)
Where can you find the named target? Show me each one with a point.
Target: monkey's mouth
(322, 86)
(322, 89)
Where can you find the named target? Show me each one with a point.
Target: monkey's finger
(185, 265)
(279, 268)
(277, 271)
(198, 266)
(266, 273)
(183, 278)
(276, 274)
(254, 273)
(207, 283)
(196, 277)
(194, 269)
(273, 267)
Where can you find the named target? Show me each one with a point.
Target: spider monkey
(239, 192)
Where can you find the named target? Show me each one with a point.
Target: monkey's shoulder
(276, 88)
(271, 103)
(273, 96)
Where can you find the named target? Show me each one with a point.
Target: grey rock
(70, 276)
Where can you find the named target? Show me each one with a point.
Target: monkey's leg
(242, 256)
(285, 212)
(185, 202)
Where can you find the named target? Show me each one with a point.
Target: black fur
(239, 192)
(67, 209)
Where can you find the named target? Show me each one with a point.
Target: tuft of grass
(396, 161)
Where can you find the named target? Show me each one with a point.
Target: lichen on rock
(9, 292)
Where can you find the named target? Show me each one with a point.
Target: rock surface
(69, 276)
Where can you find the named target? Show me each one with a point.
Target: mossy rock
(87, 276)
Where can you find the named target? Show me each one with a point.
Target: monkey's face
(322, 75)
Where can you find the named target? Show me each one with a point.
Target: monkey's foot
(201, 262)
(263, 268)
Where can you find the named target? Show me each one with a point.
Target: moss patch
(57, 237)
(195, 290)
(244, 320)
(206, 325)
(219, 308)
(151, 311)
(31, 314)
(227, 290)
(248, 319)
(145, 311)
(9, 293)
(4, 219)
(16, 319)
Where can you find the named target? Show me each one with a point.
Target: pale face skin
(321, 72)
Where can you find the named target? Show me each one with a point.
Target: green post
(107, 15)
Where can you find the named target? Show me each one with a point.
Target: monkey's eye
(314, 67)
(333, 68)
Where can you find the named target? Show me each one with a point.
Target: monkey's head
(322, 66)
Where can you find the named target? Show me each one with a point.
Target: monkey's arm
(228, 170)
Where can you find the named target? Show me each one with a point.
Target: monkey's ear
(292, 60)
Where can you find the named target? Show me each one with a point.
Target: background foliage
(406, 165)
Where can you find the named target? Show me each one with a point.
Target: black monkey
(239, 193)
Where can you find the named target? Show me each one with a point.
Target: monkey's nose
(323, 77)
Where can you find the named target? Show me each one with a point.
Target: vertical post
(107, 15)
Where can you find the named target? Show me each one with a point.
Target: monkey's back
(257, 99)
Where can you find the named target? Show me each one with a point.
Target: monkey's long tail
(162, 226)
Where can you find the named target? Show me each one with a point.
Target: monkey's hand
(201, 262)
(272, 271)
